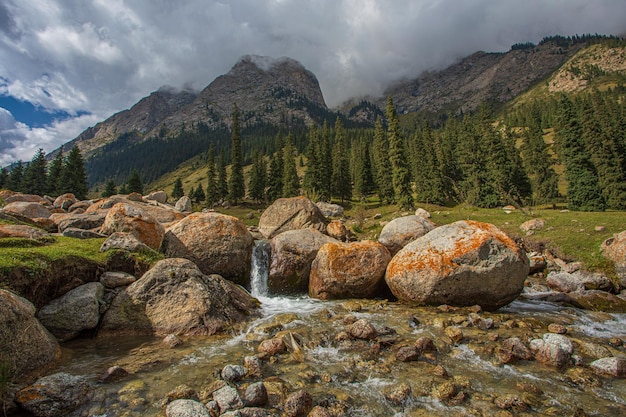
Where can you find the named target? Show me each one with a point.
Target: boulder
(298, 404)
(80, 205)
(420, 212)
(23, 231)
(186, 408)
(26, 198)
(532, 225)
(64, 201)
(337, 230)
(183, 204)
(136, 197)
(26, 210)
(289, 214)
(217, 243)
(25, 345)
(176, 297)
(82, 234)
(554, 350)
(124, 217)
(55, 395)
(77, 310)
(460, 264)
(158, 196)
(578, 281)
(596, 300)
(612, 366)
(614, 249)
(112, 279)
(124, 241)
(348, 270)
(83, 221)
(330, 210)
(293, 253)
(399, 232)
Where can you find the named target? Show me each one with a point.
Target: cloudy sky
(67, 64)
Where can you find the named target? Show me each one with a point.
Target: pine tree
(361, 168)
(222, 181)
(538, 163)
(212, 191)
(74, 177)
(178, 191)
(275, 177)
(198, 195)
(55, 174)
(35, 180)
(291, 183)
(583, 190)
(110, 189)
(258, 178)
(401, 176)
(426, 167)
(236, 184)
(14, 183)
(134, 184)
(311, 182)
(4, 177)
(340, 177)
(382, 173)
(325, 158)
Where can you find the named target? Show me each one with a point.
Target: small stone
(319, 411)
(362, 329)
(557, 328)
(599, 228)
(272, 346)
(186, 408)
(444, 391)
(407, 354)
(228, 398)
(179, 393)
(511, 401)
(454, 333)
(116, 279)
(439, 370)
(298, 404)
(616, 342)
(233, 373)
(425, 344)
(613, 366)
(398, 394)
(255, 395)
(378, 216)
(113, 374)
(253, 363)
(171, 341)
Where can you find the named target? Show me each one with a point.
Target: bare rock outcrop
(461, 264)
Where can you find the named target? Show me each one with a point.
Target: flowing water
(359, 378)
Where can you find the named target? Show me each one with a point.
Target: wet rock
(511, 402)
(537, 261)
(298, 404)
(583, 377)
(158, 196)
(348, 270)
(112, 279)
(255, 395)
(444, 391)
(176, 297)
(217, 243)
(81, 233)
(319, 411)
(228, 398)
(425, 345)
(124, 217)
(532, 225)
(27, 347)
(578, 281)
(454, 333)
(439, 370)
(612, 366)
(114, 373)
(77, 310)
(171, 341)
(124, 241)
(26, 209)
(179, 393)
(330, 210)
(398, 394)
(362, 329)
(272, 346)
(554, 350)
(250, 412)
(596, 300)
(399, 232)
(54, 395)
(408, 354)
(512, 350)
(183, 204)
(233, 373)
(459, 264)
(557, 328)
(293, 253)
(253, 363)
(614, 249)
(23, 231)
(289, 214)
(186, 408)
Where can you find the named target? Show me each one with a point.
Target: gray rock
(532, 224)
(614, 249)
(158, 196)
(64, 201)
(124, 241)
(578, 281)
(256, 395)
(233, 373)
(24, 231)
(83, 221)
(112, 279)
(289, 214)
(330, 210)
(554, 349)
(228, 398)
(298, 404)
(55, 395)
(77, 310)
(81, 233)
(125, 217)
(399, 232)
(612, 366)
(186, 408)
(183, 204)
(420, 212)
(27, 210)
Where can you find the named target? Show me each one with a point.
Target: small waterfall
(259, 269)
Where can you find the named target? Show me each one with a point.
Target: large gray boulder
(85, 221)
(55, 395)
(293, 253)
(157, 196)
(460, 264)
(289, 214)
(578, 281)
(217, 243)
(25, 345)
(348, 270)
(399, 232)
(176, 297)
(77, 310)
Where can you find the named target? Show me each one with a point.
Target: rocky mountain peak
(266, 63)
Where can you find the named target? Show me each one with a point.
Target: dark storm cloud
(102, 56)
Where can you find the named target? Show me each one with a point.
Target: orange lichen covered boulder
(461, 264)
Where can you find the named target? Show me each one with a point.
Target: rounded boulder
(460, 264)
(217, 243)
(123, 217)
(348, 270)
(289, 214)
(399, 232)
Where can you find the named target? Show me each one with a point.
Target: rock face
(614, 249)
(123, 217)
(75, 311)
(293, 253)
(55, 395)
(348, 270)
(289, 214)
(461, 264)
(25, 345)
(217, 243)
(176, 297)
(399, 232)
(27, 209)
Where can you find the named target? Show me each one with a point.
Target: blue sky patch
(31, 115)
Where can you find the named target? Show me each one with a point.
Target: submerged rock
(176, 297)
(598, 301)
(460, 264)
(612, 366)
(289, 214)
(55, 395)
